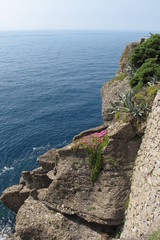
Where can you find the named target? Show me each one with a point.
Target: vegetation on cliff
(154, 236)
(145, 59)
(93, 144)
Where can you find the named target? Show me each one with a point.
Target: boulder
(11, 197)
(46, 161)
(35, 221)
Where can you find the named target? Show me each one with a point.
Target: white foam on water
(4, 233)
(36, 149)
(6, 169)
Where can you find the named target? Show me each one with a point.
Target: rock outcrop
(66, 196)
(69, 193)
(106, 199)
(58, 201)
(110, 93)
(111, 90)
(124, 66)
(35, 221)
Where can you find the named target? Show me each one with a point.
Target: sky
(80, 14)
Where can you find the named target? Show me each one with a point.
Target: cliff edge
(80, 191)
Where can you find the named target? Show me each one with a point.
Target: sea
(50, 85)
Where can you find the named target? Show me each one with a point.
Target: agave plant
(128, 104)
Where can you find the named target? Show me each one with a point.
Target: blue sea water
(50, 85)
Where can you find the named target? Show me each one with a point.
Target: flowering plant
(93, 145)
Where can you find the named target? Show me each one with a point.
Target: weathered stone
(143, 215)
(11, 197)
(15, 196)
(35, 179)
(104, 202)
(110, 93)
(124, 66)
(35, 221)
(89, 131)
(111, 90)
(68, 151)
(46, 161)
(24, 193)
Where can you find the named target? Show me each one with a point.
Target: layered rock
(104, 202)
(35, 221)
(14, 196)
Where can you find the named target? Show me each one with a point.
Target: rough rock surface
(110, 93)
(35, 221)
(11, 197)
(14, 196)
(124, 66)
(46, 161)
(143, 216)
(90, 131)
(94, 210)
(104, 202)
(111, 90)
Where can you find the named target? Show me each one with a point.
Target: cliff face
(143, 216)
(111, 90)
(58, 201)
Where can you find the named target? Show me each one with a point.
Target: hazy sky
(80, 14)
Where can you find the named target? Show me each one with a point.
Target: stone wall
(143, 215)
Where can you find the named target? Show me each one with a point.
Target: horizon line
(72, 29)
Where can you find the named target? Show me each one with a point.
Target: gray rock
(111, 90)
(35, 221)
(36, 179)
(110, 93)
(46, 161)
(14, 197)
(104, 202)
(11, 197)
(124, 66)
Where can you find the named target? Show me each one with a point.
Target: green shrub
(126, 205)
(154, 236)
(139, 96)
(150, 48)
(151, 90)
(148, 71)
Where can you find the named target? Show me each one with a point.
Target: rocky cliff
(58, 201)
(143, 215)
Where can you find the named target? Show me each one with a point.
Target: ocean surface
(50, 85)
